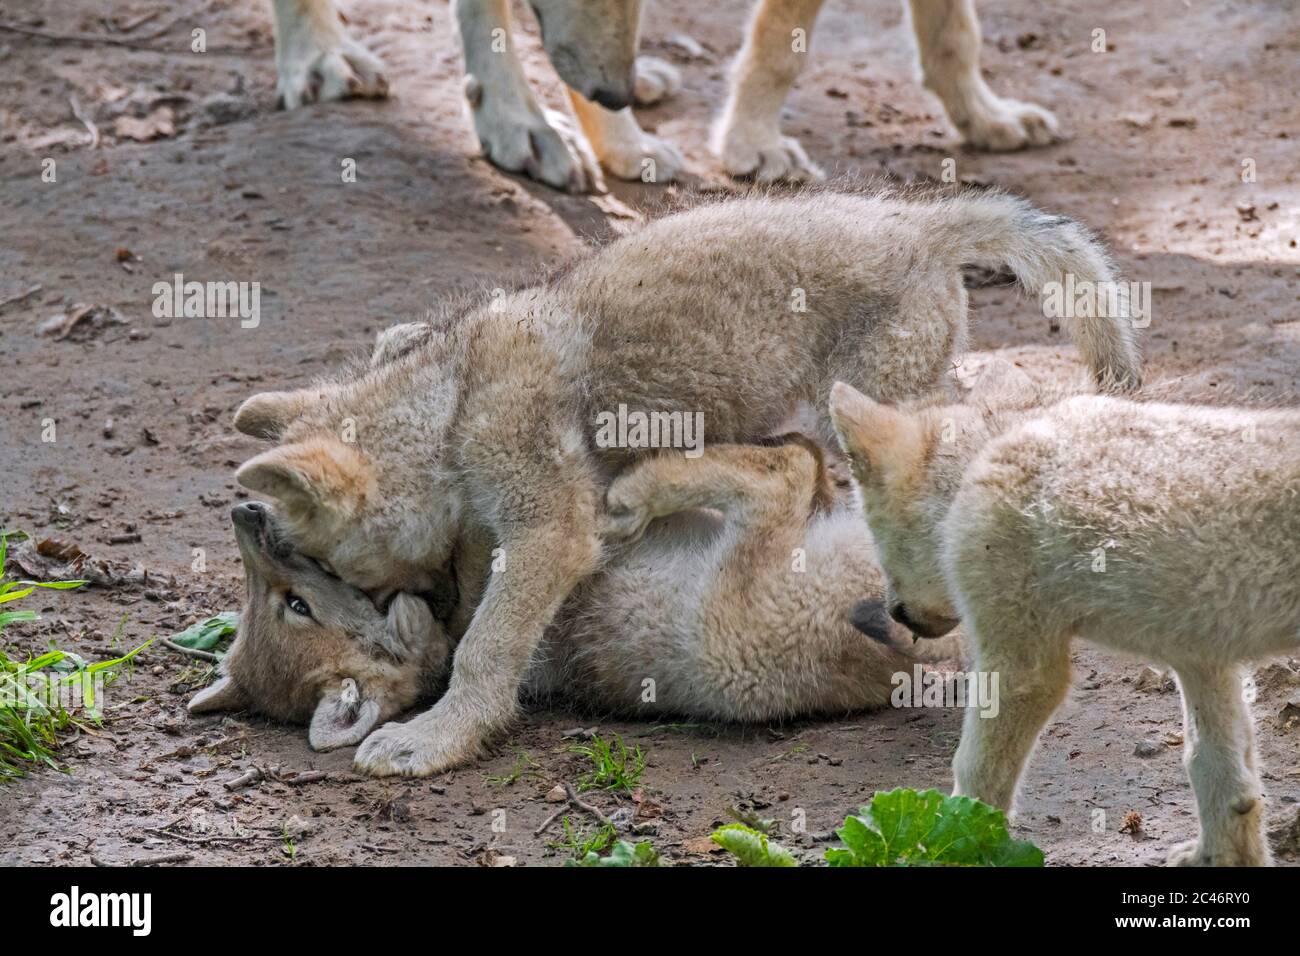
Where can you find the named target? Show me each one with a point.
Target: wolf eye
(297, 605)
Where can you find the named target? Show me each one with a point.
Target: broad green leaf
(623, 854)
(750, 847)
(906, 828)
(207, 634)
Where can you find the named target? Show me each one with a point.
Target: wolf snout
(922, 625)
(249, 515)
(613, 97)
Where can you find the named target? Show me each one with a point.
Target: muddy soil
(207, 179)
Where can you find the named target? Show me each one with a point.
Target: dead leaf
(159, 124)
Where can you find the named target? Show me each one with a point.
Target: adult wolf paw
(318, 64)
(418, 748)
(646, 157)
(1001, 125)
(543, 144)
(764, 155)
(656, 80)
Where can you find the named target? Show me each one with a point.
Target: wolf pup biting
(670, 626)
(739, 311)
(1166, 531)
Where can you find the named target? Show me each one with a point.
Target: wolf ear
(877, 438)
(268, 414)
(320, 471)
(394, 342)
(342, 718)
(222, 695)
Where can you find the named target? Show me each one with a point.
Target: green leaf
(207, 634)
(750, 847)
(623, 854)
(906, 828)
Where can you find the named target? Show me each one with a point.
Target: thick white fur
(736, 604)
(593, 42)
(747, 136)
(1196, 512)
(315, 59)
(737, 311)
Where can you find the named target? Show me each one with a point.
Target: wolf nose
(249, 514)
(613, 98)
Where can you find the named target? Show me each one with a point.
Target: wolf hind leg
(749, 484)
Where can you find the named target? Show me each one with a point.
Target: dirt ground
(1159, 127)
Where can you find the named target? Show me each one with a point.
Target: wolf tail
(1049, 254)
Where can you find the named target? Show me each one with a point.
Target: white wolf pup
(1167, 531)
(733, 314)
(751, 596)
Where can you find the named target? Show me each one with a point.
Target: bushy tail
(1059, 258)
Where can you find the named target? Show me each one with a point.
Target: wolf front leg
(315, 59)
(622, 146)
(539, 561)
(515, 132)
(1220, 758)
(747, 135)
(948, 41)
(1032, 671)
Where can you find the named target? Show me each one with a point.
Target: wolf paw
(316, 66)
(542, 144)
(1001, 125)
(1192, 853)
(656, 80)
(766, 157)
(414, 749)
(627, 512)
(648, 158)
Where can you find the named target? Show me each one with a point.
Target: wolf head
(357, 473)
(592, 44)
(312, 649)
(907, 462)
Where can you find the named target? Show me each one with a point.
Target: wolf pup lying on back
(733, 313)
(764, 607)
(1167, 531)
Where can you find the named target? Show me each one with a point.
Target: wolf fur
(1167, 531)
(736, 312)
(593, 46)
(751, 596)
(747, 135)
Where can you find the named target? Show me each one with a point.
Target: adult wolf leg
(747, 135)
(622, 146)
(948, 41)
(515, 132)
(315, 59)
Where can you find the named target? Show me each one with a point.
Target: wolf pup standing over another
(1167, 531)
(736, 312)
(753, 595)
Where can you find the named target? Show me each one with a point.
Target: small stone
(1148, 748)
